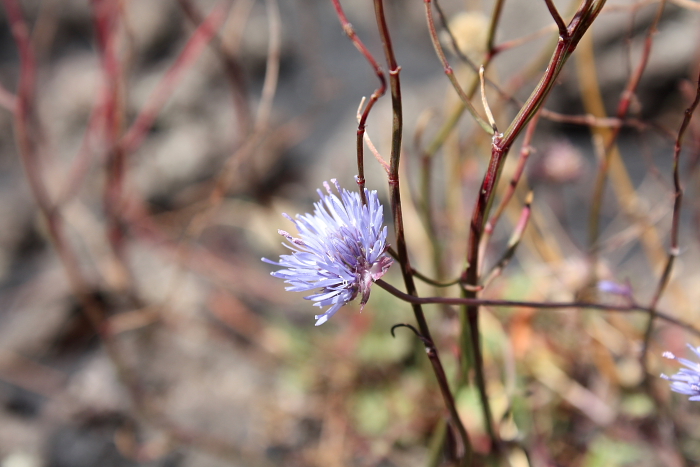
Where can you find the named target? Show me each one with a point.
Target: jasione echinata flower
(687, 380)
(341, 250)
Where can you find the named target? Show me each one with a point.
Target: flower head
(687, 380)
(341, 250)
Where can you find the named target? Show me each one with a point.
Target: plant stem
(450, 73)
(500, 146)
(457, 112)
(675, 227)
(379, 92)
(622, 108)
(455, 301)
(395, 196)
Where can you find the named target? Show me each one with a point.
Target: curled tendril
(420, 336)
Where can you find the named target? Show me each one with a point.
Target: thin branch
(224, 178)
(106, 19)
(627, 308)
(675, 226)
(434, 357)
(584, 120)
(272, 66)
(379, 92)
(234, 69)
(424, 201)
(485, 102)
(499, 150)
(81, 163)
(369, 142)
(495, 17)
(563, 32)
(525, 151)
(193, 49)
(449, 72)
(452, 120)
(512, 243)
(453, 41)
(513, 43)
(396, 208)
(623, 107)
(434, 282)
(27, 130)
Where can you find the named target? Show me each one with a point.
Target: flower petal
(687, 380)
(341, 248)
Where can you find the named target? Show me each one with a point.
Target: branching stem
(499, 149)
(379, 92)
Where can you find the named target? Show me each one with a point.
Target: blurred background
(149, 147)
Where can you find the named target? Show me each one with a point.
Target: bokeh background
(138, 325)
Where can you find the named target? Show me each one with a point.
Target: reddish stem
(674, 250)
(379, 92)
(201, 37)
(234, 71)
(630, 307)
(395, 196)
(622, 108)
(525, 151)
(499, 149)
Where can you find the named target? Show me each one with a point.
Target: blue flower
(687, 380)
(341, 250)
